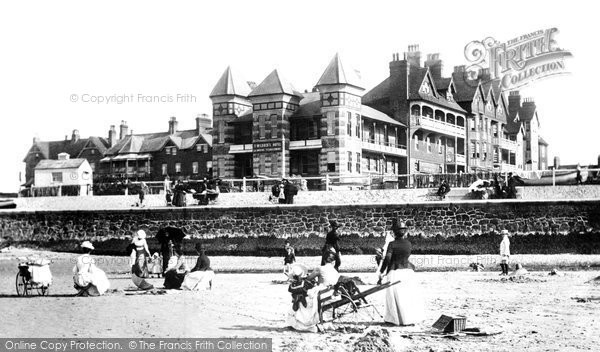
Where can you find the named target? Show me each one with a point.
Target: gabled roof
(310, 105)
(51, 149)
(154, 142)
(513, 123)
(465, 89)
(274, 84)
(229, 84)
(48, 164)
(335, 74)
(378, 92)
(542, 141)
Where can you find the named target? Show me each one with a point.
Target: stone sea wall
(427, 218)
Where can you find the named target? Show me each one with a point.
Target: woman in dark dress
(332, 245)
(403, 302)
(140, 255)
(201, 276)
(175, 273)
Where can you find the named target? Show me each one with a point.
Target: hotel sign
(266, 147)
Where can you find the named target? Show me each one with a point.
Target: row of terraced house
(415, 121)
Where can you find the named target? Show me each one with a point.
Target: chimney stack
(75, 136)
(413, 55)
(36, 139)
(63, 156)
(514, 102)
(251, 84)
(556, 162)
(172, 125)
(398, 67)
(435, 65)
(203, 124)
(123, 129)
(112, 136)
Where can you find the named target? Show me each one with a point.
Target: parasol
(174, 234)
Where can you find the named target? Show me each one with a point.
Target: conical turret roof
(230, 84)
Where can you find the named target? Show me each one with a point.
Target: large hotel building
(415, 121)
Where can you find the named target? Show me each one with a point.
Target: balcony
(431, 124)
(383, 147)
(240, 148)
(508, 144)
(306, 144)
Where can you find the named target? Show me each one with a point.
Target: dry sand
(537, 312)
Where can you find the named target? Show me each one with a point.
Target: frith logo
(518, 61)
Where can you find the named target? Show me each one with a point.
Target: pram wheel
(21, 284)
(43, 290)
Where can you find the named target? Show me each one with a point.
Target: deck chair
(349, 299)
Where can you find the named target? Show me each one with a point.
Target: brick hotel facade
(414, 121)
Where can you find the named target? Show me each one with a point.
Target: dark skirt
(173, 279)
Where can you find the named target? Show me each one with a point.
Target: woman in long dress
(140, 255)
(201, 276)
(86, 275)
(403, 301)
(177, 269)
(307, 318)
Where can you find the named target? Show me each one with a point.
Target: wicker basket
(451, 324)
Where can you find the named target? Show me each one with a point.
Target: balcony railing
(437, 125)
(241, 148)
(383, 147)
(508, 144)
(306, 144)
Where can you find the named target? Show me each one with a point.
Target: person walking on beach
(504, 252)
(290, 257)
(142, 192)
(332, 245)
(140, 254)
(403, 302)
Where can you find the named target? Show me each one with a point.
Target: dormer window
(426, 88)
(449, 95)
(489, 107)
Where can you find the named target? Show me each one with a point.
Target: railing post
(244, 184)
(327, 182)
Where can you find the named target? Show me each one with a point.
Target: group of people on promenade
(283, 192)
(89, 280)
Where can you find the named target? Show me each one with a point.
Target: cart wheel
(21, 284)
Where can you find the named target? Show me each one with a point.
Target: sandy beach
(537, 312)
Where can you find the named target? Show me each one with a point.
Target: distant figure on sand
(290, 257)
(140, 255)
(404, 301)
(88, 278)
(504, 252)
(332, 245)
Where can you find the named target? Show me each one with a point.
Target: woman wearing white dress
(504, 252)
(87, 275)
(403, 301)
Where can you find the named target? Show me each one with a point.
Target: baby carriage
(34, 276)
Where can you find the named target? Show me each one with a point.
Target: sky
(58, 58)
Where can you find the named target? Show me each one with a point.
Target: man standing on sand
(504, 252)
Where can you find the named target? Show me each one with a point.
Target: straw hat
(87, 244)
(504, 232)
(297, 270)
(141, 234)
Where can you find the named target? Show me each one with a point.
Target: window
(439, 146)
(330, 123)
(274, 166)
(221, 167)
(350, 161)
(358, 161)
(202, 148)
(93, 166)
(209, 167)
(168, 150)
(331, 161)
(484, 151)
(472, 123)
(195, 167)
(428, 145)
(261, 126)
(174, 150)
(368, 164)
(349, 125)
(357, 125)
(473, 149)
(178, 168)
(221, 131)
(93, 151)
(57, 177)
(273, 126)
(261, 164)
(416, 142)
(164, 169)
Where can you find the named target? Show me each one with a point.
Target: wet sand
(537, 312)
